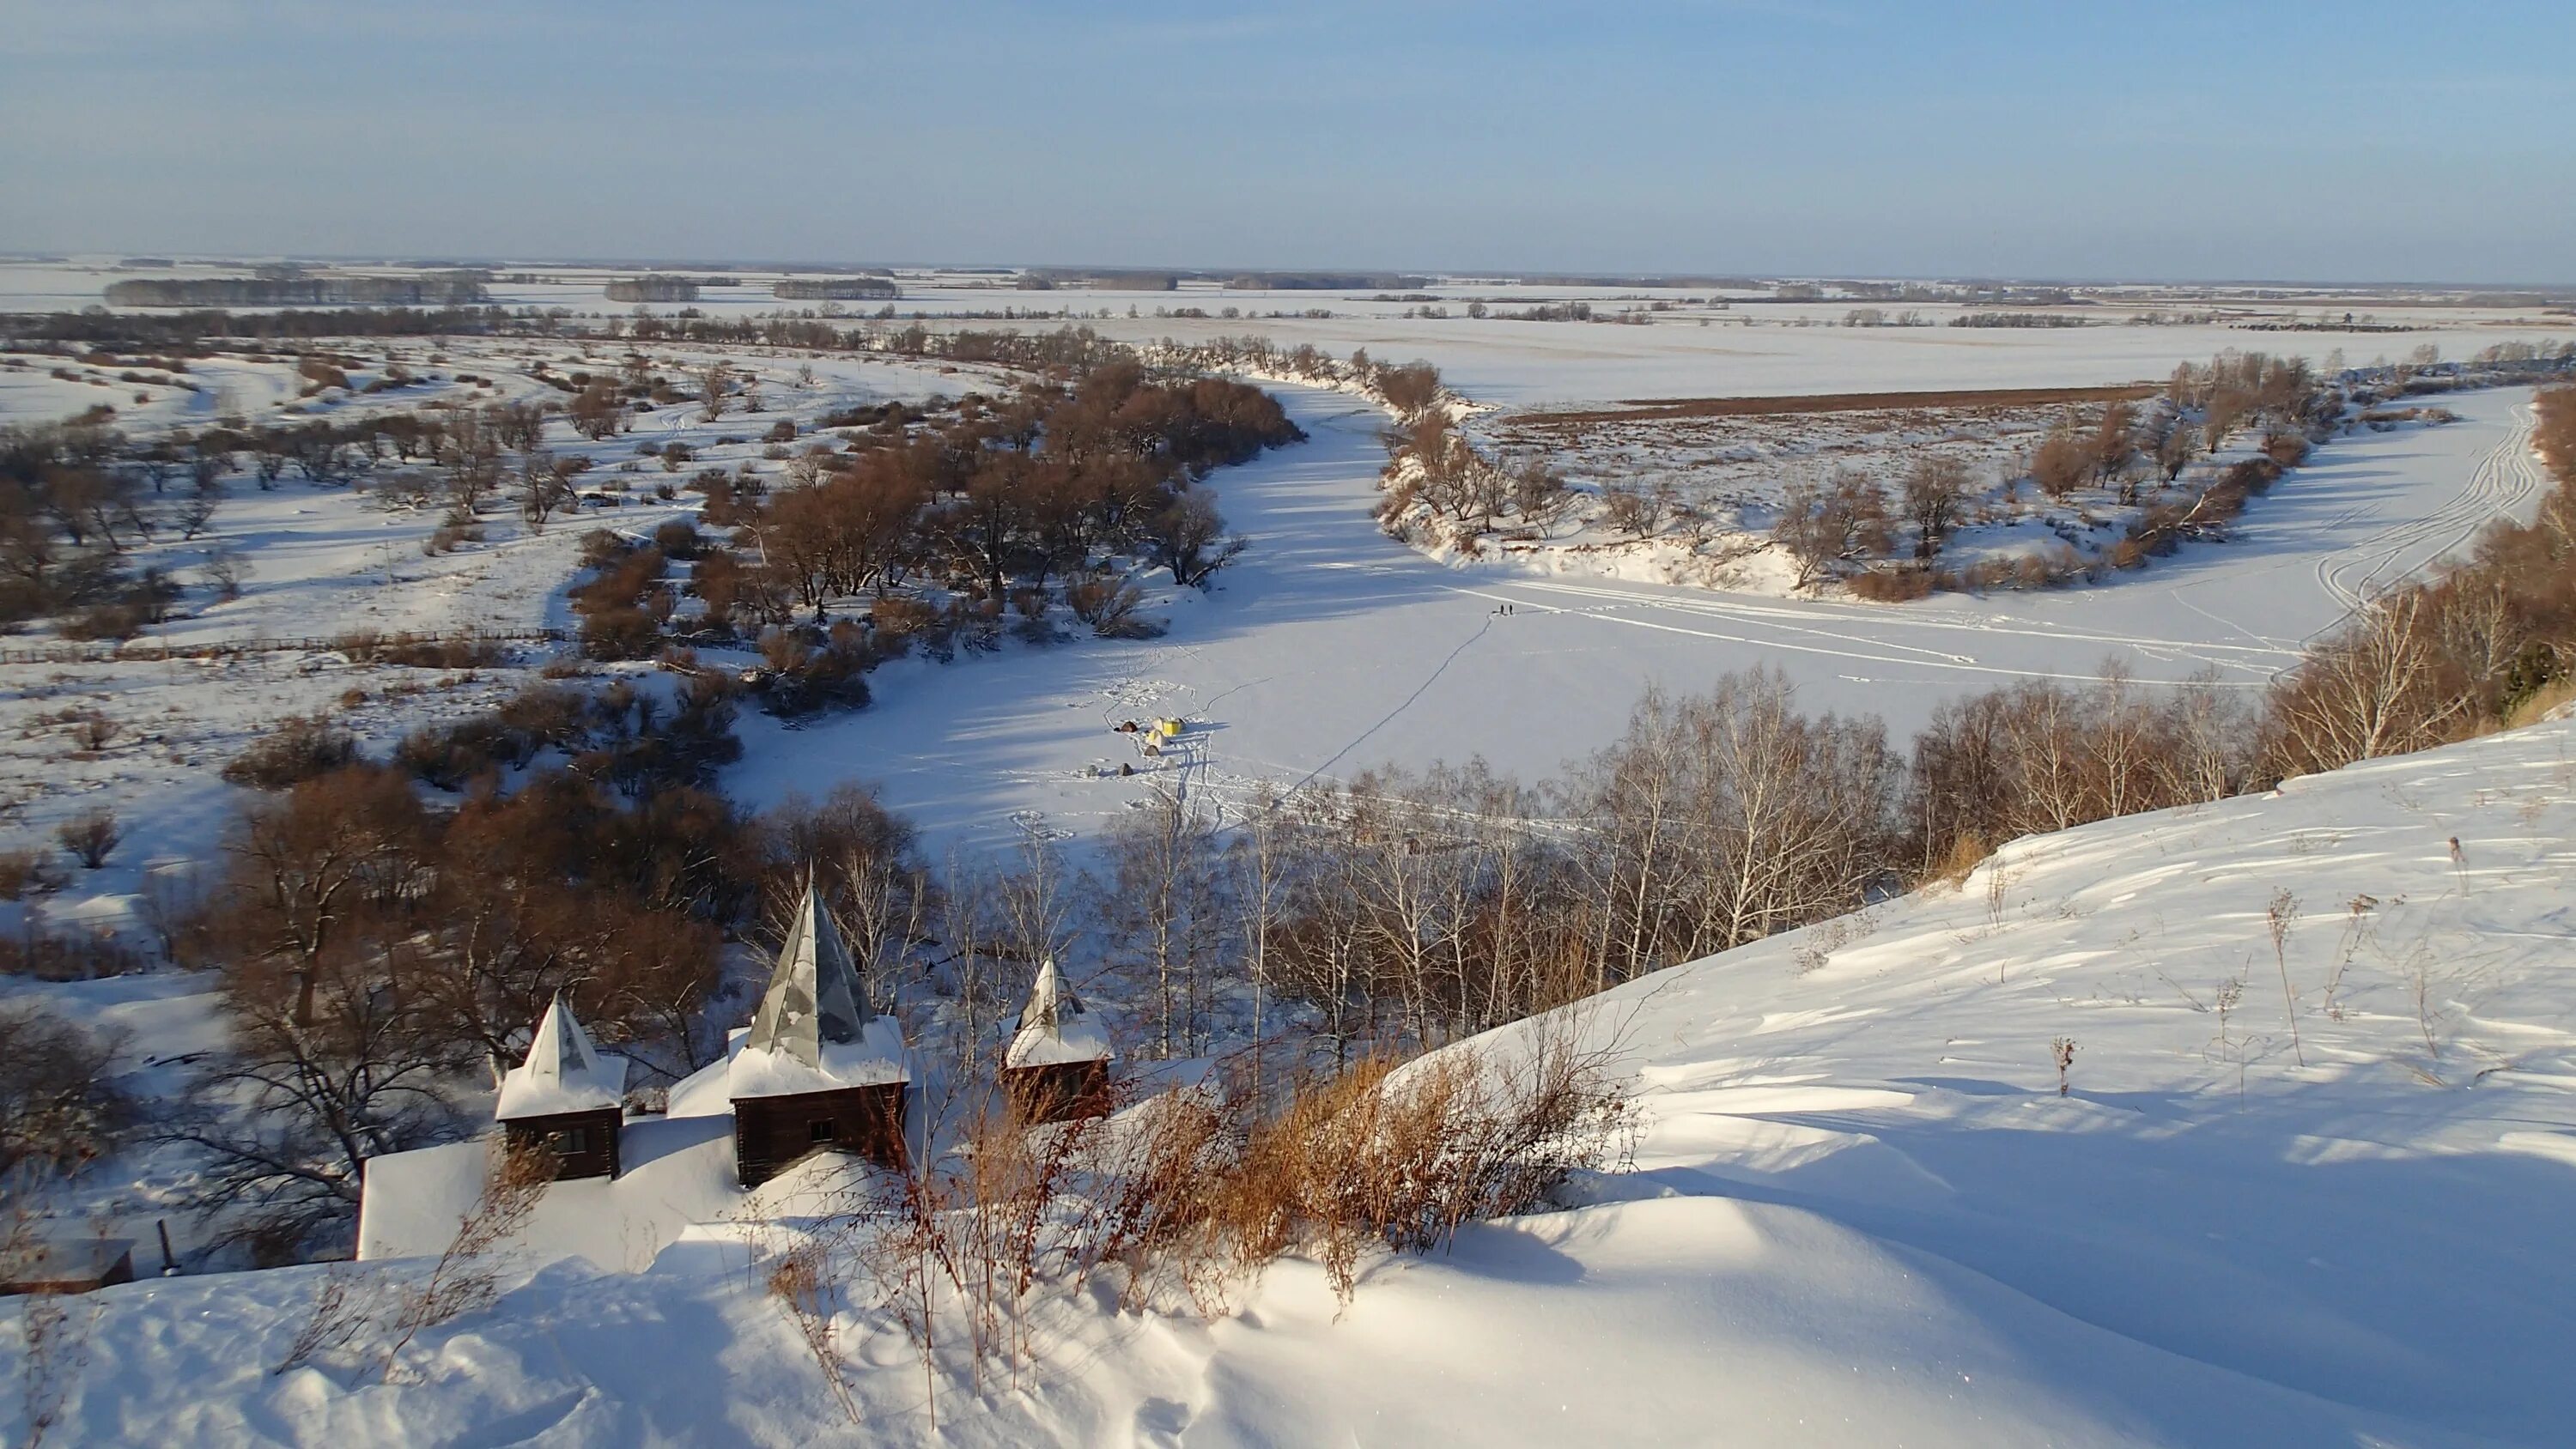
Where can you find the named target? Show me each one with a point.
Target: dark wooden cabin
(1056, 1068)
(584, 1143)
(67, 1266)
(565, 1097)
(1058, 1091)
(772, 1134)
(818, 1071)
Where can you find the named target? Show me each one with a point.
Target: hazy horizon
(2335, 145)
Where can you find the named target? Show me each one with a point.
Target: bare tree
(1936, 489)
(1162, 908)
(197, 510)
(713, 379)
(2368, 691)
(1189, 538)
(1843, 521)
(542, 489)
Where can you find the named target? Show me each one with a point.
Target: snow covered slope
(2317, 1197)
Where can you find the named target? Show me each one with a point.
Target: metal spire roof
(563, 1071)
(1054, 1027)
(813, 996)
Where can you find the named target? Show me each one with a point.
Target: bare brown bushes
(1399, 1158)
(1179, 1202)
(2039, 756)
(422, 651)
(1891, 585)
(297, 748)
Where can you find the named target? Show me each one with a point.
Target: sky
(2182, 140)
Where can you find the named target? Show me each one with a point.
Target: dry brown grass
(1179, 1202)
(348, 1309)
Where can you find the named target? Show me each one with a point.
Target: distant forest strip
(197, 333)
(1636, 410)
(455, 290)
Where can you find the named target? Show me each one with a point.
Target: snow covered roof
(1054, 1028)
(814, 1032)
(677, 1181)
(563, 1072)
(875, 1059)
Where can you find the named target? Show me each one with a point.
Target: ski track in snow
(2507, 477)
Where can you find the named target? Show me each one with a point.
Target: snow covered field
(1329, 648)
(1716, 342)
(1860, 1212)
(325, 560)
(2290, 1199)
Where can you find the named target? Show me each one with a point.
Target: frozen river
(1329, 647)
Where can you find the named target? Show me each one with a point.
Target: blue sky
(2349, 142)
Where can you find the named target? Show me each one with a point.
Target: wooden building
(818, 1071)
(66, 1265)
(1057, 1066)
(772, 1134)
(567, 1098)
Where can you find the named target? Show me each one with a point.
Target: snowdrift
(2312, 1195)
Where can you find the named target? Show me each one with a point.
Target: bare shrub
(91, 836)
(380, 1318)
(25, 873)
(54, 1352)
(77, 955)
(224, 568)
(1380, 1157)
(295, 749)
(93, 731)
(2278, 917)
(1635, 511)
(1936, 490)
(337, 1316)
(2063, 461)
(803, 1282)
(1110, 608)
(1891, 585)
(113, 621)
(1408, 389)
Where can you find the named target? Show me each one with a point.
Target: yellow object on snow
(1168, 728)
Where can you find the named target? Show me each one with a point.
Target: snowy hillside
(2294, 1198)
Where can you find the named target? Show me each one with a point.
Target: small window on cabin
(819, 1130)
(570, 1141)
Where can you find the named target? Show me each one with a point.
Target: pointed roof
(814, 1016)
(1054, 1027)
(563, 1072)
(814, 994)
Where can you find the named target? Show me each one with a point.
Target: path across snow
(1329, 648)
